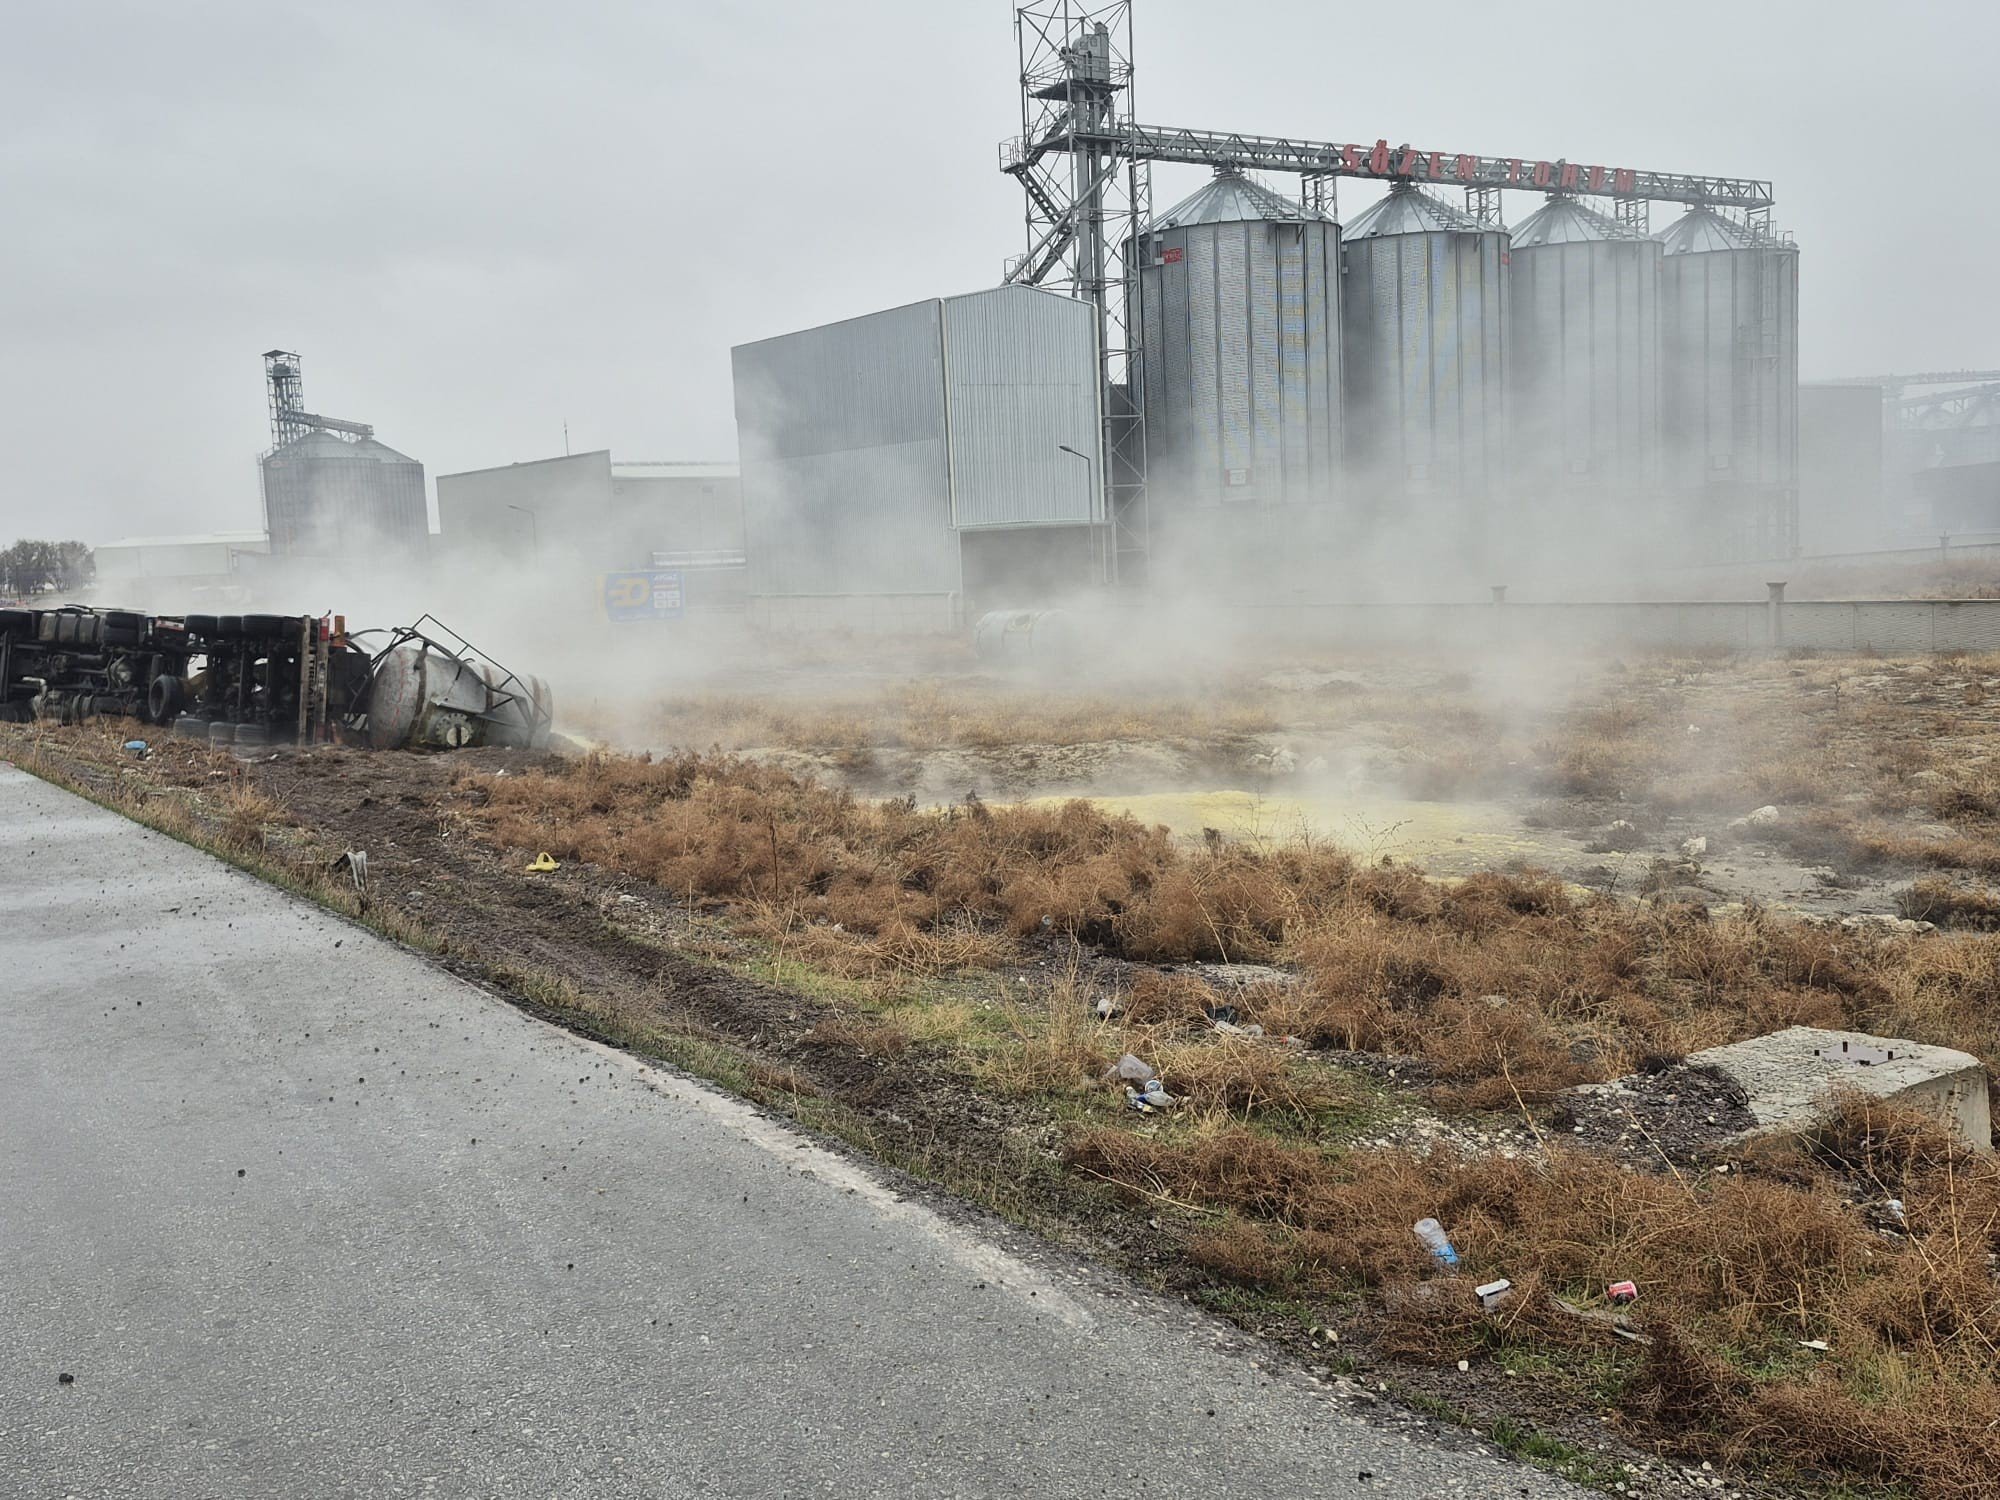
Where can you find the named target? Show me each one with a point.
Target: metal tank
(1583, 360)
(325, 496)
(1239, 332)
(1423, 310)
(1729, 385)
(420, 697)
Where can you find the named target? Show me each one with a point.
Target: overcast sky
(477, 221)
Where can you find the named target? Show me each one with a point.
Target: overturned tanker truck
(266, 679)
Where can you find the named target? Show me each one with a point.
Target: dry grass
(1736, 1270)
(946, 713)
(1952, 903)
(1511, 986)
(1052, 1045)
(902, 888)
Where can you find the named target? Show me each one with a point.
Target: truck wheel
(202, 625)
(264, 627)
(121, 627)
(229, 626)
(17, 622)
(163, 699)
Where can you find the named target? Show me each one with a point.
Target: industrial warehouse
(1281, 397)
(1245, 397)
(938, 790)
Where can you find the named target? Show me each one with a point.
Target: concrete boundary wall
(1949, 549)
(1893, 626)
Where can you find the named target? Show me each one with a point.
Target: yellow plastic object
(543, 864)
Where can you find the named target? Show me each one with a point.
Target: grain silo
(1729, 368)
(325, 496)
(1583, 357)
(1423, 310)
(1240, 355)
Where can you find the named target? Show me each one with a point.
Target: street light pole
(1103, 560)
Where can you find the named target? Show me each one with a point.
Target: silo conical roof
(310, 445)
(1409, 210)
(380, 452)
(1564, 221)
(1232, 198)
(1702, 229)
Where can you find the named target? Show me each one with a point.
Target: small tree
(38, 567)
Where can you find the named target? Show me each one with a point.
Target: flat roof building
(897, 464)
(591, 509)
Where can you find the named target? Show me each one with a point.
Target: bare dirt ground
(923, 979)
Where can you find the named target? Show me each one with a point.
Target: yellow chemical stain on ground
(1447, 838)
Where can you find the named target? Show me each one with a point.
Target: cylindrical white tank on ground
(1583, 356)
(1729, 367)
(1240, 352)
(1423, 317)
(421, 697)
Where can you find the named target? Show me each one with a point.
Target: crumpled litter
(1131, 1069)
(1152, 1097)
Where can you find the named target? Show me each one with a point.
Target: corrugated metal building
(1423, 315)
(176, 558)
(694, 505)
(1584, 360)
(1729, 384)
(1239, 300)
(328, 497)
(897, 462)
(1843, 494)
(591, 510)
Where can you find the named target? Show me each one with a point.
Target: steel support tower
(286, 389)
(290, 420)
(1084, 165)
(1088, 196)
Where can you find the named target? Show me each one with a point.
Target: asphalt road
(303, 1216)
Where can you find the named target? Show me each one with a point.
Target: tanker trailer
(425, 694)
(254, 680)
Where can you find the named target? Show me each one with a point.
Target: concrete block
(1790, 1076)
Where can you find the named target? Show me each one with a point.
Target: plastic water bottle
(1435, 1240)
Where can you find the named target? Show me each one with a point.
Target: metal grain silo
(327, 497)
(1583, 357)
(1729, 383)
(1423, 309)
(1240, 352)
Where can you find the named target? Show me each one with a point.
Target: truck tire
(164, 698)
(19, 623)
(268, 627)
(228, 627)
(201, 625)
(122, 627)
